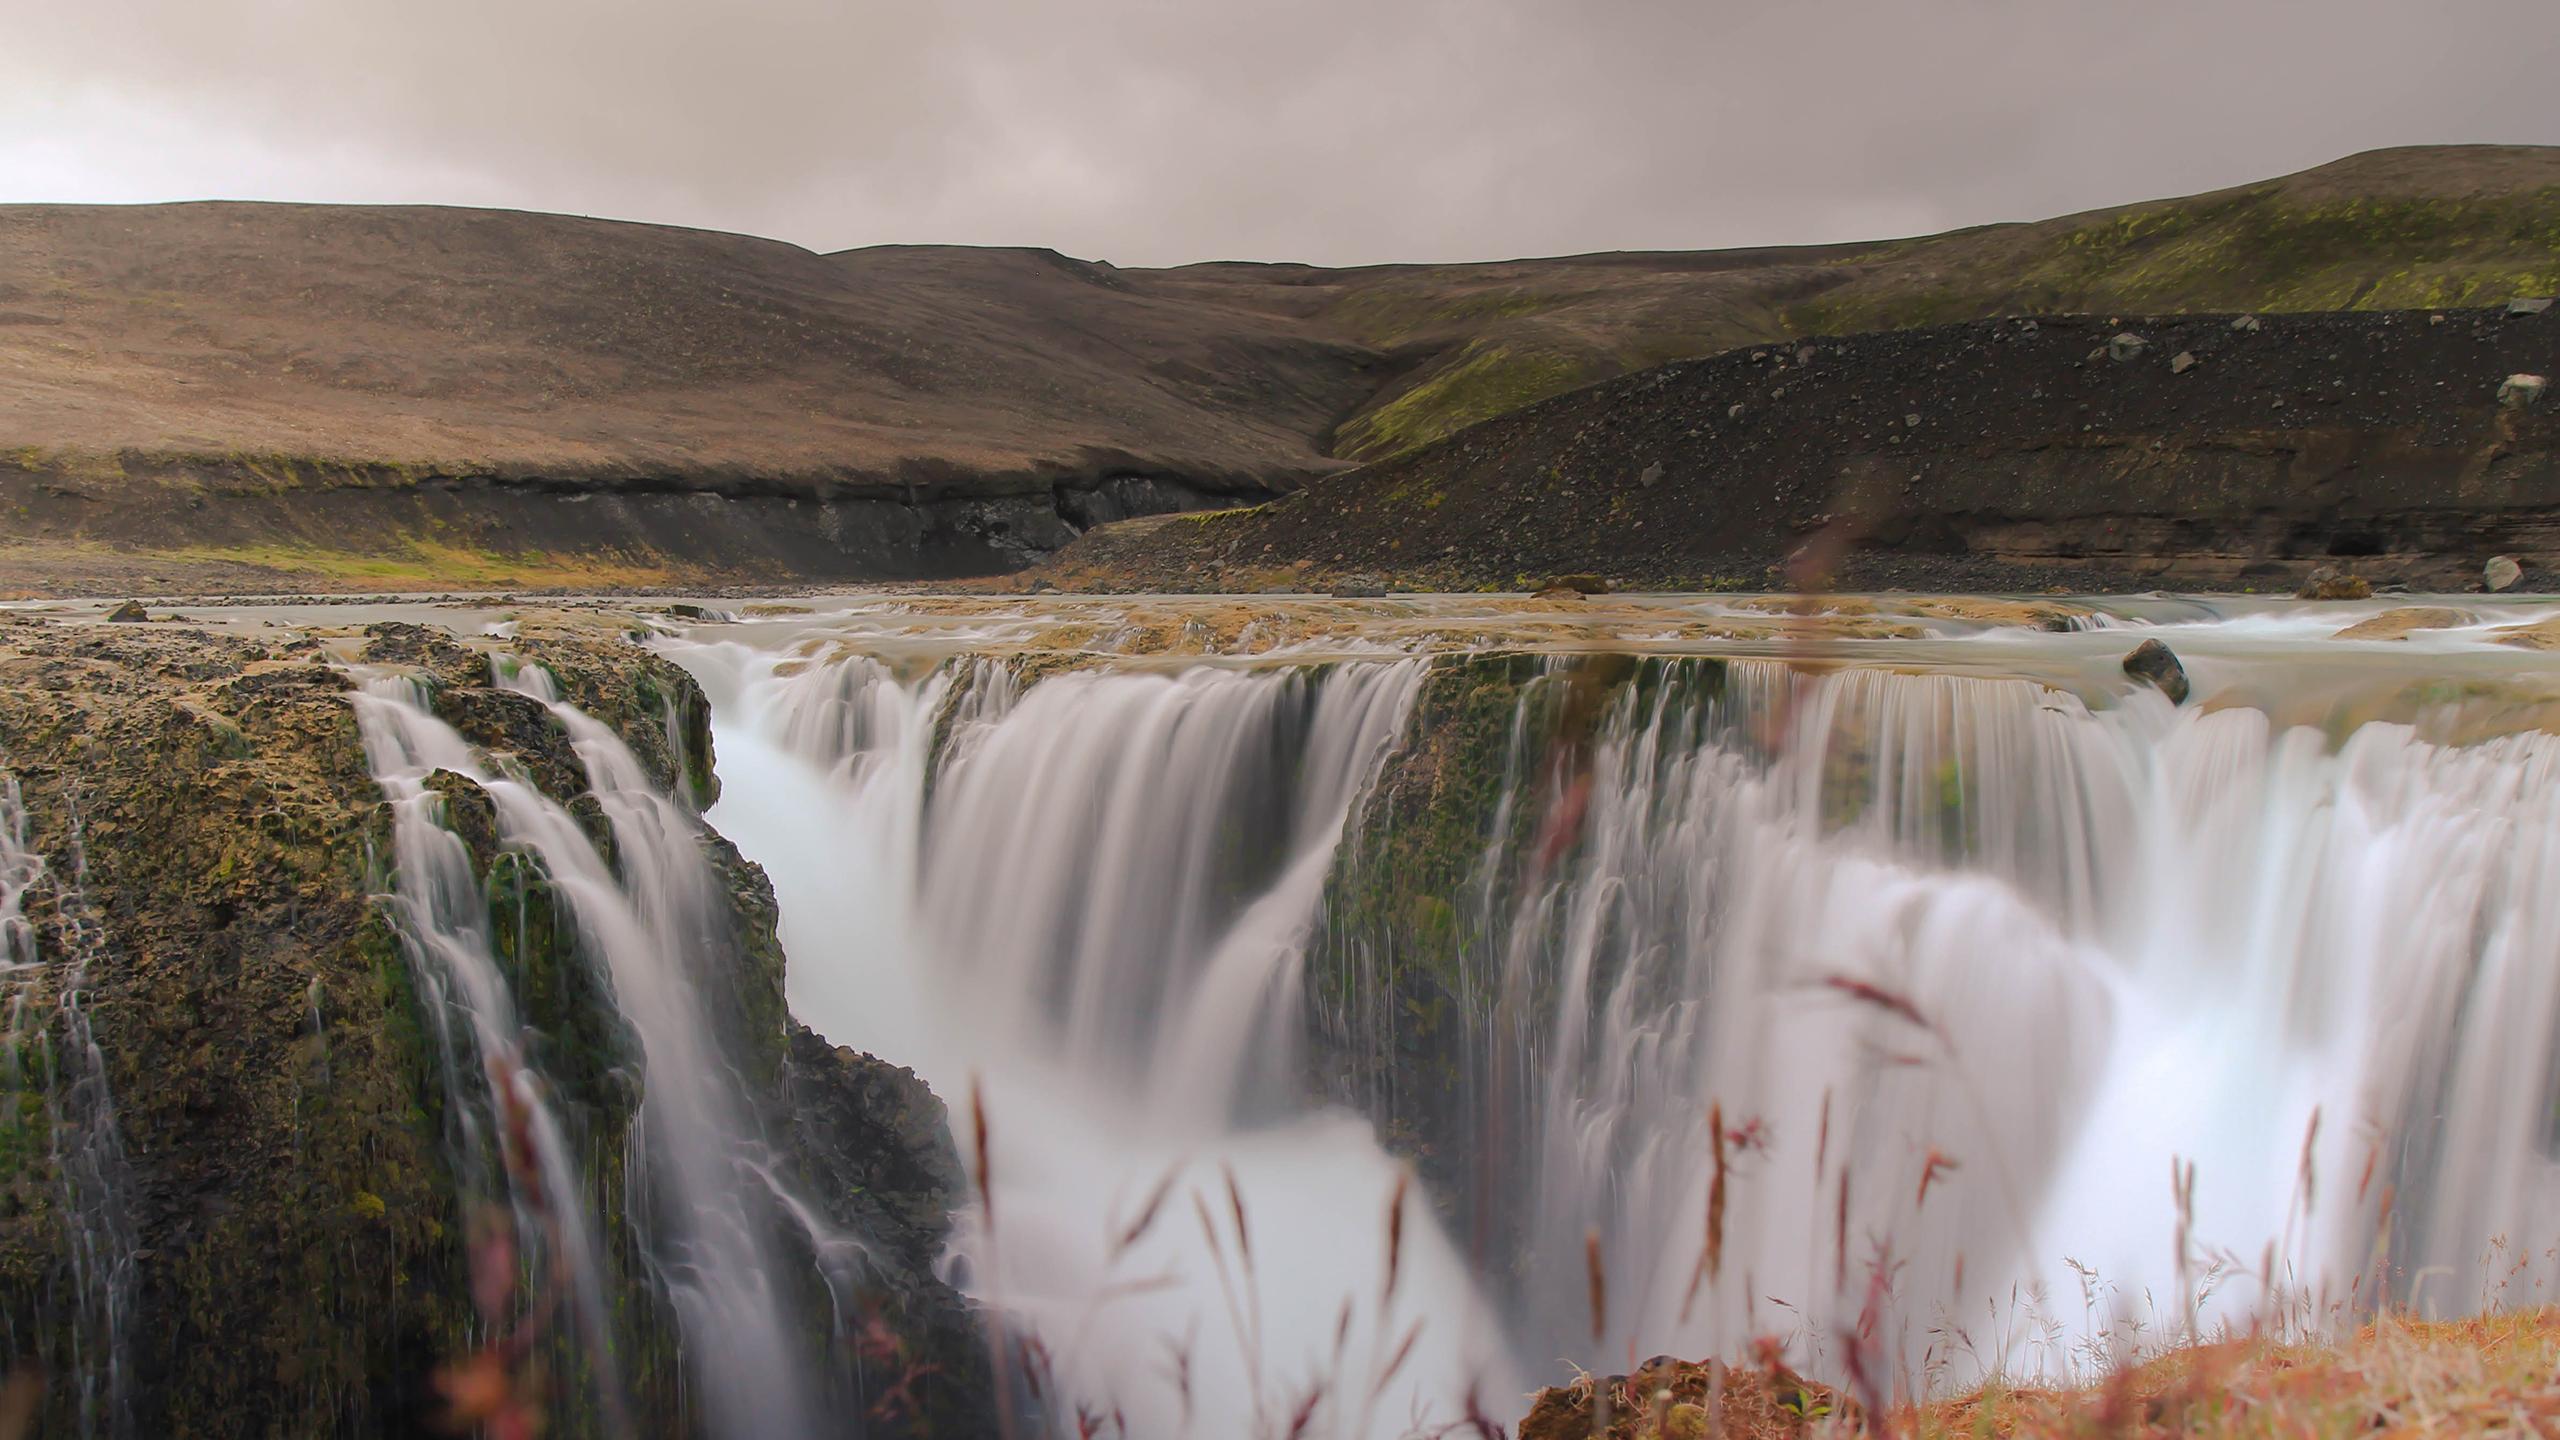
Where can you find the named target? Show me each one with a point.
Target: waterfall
(703, 1193)
(85, 1146)
(1963, 968)
(1986, 1023)
(1084, 905)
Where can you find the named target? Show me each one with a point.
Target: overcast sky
(1336, 131)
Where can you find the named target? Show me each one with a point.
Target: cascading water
(49, 1015)
(1088, 905)
(1951, 970)
(1967, 968)
(701, 1182)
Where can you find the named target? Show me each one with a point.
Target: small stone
(2126, 346)
(1733, 412)
(2156, 664)
(2435, 319)
(2248, 324)
(1652, 475)
(2502, 572)
(129, 613)
(2182, 362)
(2522, 392)
(2027, 327)
(2331, 583)
(1805, 355)
(2531, 306)
(1911, 419)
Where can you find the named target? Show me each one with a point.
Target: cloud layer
(1334, 131)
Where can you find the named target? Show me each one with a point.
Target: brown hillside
(233, 395)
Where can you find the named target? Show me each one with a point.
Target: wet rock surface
(2400, 624)
(2157, 665)
(215, 847)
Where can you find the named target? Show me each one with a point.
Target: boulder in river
(128, 613)
(1576, 584)
(2156, 664)
(2502, 572)
(1359, 587)
(2400, 624)
(2331, 583)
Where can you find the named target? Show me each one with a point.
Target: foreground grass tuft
(2489, 1375)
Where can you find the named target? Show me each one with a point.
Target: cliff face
(230, 1202)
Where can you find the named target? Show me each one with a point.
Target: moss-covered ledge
(285, 1221)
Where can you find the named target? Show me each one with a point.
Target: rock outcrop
(266, 1190)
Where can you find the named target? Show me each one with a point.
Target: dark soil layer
(2208, 452)
(230, 398)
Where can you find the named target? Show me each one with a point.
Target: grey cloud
(1333, 131)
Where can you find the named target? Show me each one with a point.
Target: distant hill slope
(2083, 452)
(236, 395)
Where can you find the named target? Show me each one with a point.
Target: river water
(1356, 1014)
(2034, 1019)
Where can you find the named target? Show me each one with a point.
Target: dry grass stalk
(1711, 1251)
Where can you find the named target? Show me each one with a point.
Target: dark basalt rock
(2156, 664)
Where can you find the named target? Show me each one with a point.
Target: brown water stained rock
(2331, 583)
(2401, 623)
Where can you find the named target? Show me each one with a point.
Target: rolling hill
(251, 396)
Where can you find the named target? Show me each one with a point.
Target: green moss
(1483, 380)
(2256, 251)
(1407, 979)
(1391, 314)
(422, 563)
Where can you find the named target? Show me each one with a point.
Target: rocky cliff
(230, 1203)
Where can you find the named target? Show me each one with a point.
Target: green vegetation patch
(2254, 251)
(1483, 380)
(1388, 315)
(428, 564)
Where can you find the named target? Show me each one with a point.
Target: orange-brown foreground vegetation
(2491, 1375)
